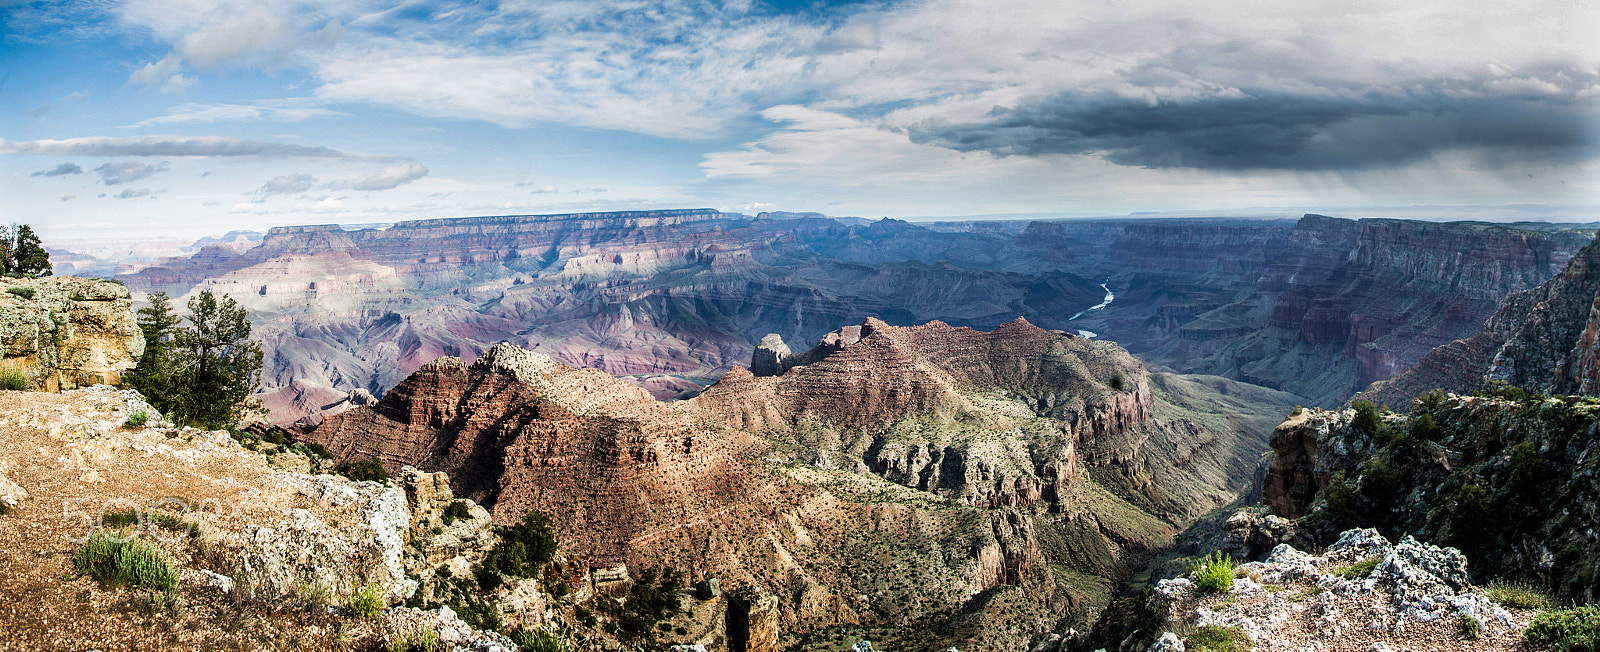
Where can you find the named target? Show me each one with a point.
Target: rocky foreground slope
(930, 485)
(673, 299)
(262, 557)
(1508, 478)
(1360, 594)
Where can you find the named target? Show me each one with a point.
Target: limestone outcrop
(1361, 593)
(64, 332)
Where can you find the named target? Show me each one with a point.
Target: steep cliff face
(64, 333)
(923, 467)
(1540, 339)
(1344, 303)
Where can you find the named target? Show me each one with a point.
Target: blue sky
(193, 117)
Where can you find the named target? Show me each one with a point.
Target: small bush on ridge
(524, 548)
(115, 562)
(1213, 573)
(367, 470)
(1570, 630)
(366, 602)
(1216, 638)
(136, 419)
(1517, 595)
(14, 379)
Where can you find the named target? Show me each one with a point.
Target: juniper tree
(201, 374)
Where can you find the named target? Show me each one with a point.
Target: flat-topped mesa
(588, 244)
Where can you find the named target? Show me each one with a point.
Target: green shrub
(319, 450)
(14, 379)
(1517, 595)
(456, 510)
(135, 420)
(1216, 638)
(1471, 628)
(1367, 419)
(1470, 521)
(538, 640)
(1379, 482)
(115, 562)
(654, 597)
(1213, 573)
(1571, 630)
(1361, 568)
(524, 548)
(120, 519)
(1296, 411)
(1424, 429)
(367, 470)
(1526, 470)
(367, 602)
(426, 640)
(1341, 500)
(22, 291)
(1428, 402)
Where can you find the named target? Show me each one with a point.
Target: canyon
(1319, 307)
(973, 488)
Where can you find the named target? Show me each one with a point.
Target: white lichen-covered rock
(1414, 597)
(1169, 642)
(451, 630)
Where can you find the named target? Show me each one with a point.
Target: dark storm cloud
(1371, 129)
(59, 170)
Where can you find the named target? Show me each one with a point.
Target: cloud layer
(174, 146)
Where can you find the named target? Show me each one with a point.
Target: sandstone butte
(928, 481)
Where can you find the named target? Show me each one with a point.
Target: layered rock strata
(975, 459)
(1541, 339)
(1342, 303)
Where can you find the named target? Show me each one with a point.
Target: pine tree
(28, 256)
(156, 374)
(201, 374)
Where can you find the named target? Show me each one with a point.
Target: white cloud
(286, 110)
(174, 146)
(390, 178)
(128, 171)
(288, 184)
(324, 205)
(130, 193)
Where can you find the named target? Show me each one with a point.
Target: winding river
(1103, 303)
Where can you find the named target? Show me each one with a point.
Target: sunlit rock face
(64, 333)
